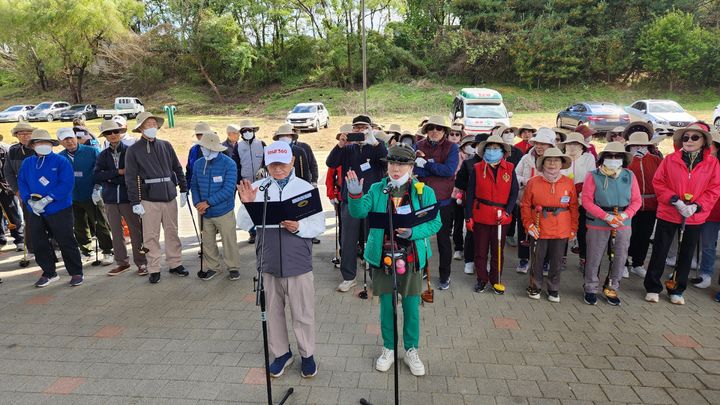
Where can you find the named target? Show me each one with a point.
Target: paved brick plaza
(123, 341)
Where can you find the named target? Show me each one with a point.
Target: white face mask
(207, 153)
(43, 150)
(407, 141)
(573, 149)
(613, 164)
(469, 150)
(639, 150)
(248, 135)
(402, 180)
(508, 138)
(150, 132)
(287, 139)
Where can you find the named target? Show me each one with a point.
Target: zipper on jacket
(642, 173)
(280, 233)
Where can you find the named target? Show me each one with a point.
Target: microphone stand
(259, 290)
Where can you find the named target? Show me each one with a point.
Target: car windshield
(605, 109)
(15, 108)
(304, 109)
(485, 111)
(77, 107)
(665, 108)
(43, 106)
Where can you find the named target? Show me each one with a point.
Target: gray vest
(251, 156)
(285, 254)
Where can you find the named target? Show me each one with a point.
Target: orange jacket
(540, 192)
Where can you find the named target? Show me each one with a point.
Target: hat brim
(423, 129)
(569, 141)
(627, 159)
(294, 135)
(253, 128)
(160, 122)
(566, 162)
(15, 131)
(398, 160)
(214, 148)
(677, 135)
(122, 131)
(53, 142)
(482, 145)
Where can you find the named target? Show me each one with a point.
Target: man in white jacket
(286, 252)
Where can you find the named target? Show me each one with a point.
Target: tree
(672, 45)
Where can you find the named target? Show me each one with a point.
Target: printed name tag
(43, 181)
(365, 166)
(405, 209)
(565, 199)
(78, 174)
(217, 179)
(431, 160)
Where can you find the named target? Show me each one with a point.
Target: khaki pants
(115, 214)
(165, 213)
(225, 226)
(300, 294)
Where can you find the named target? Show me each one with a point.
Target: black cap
(400, 153)
(362, 119)
(481, 137)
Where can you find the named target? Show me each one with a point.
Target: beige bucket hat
(111, 125)
(638, 139)
(543, 135)
(144, 116)
(553, 153)
(616, 147)
(344, 129)
(285, 129)
(394, 129)
(247, 124)
(575, 137)
(523, 127)
(496, 139)
(211, 140)
(203, 128)
(43, 135)
(22, 126)
(435, 120)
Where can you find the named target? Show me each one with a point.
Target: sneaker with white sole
(533, 293)
(652, 297)
(639, 271)
(677, 299)
(107, 259)
(470, 268)
(705, 282)
(44, 281)
(625, 273)
(522, 266)
(412, 359)
(553, 296)
(443, 285)
(386, 360)
(458, 255)
(346, 285)
(670, 261)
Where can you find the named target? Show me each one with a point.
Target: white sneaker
(470, 268)
(522, 269)
(670, 261)
(639, 271)
(458, 255)
(652, 297)
(412, 359)
(84, 257)
(677, 299)
(626, 273)
(346, 285)
(108, 259)
(386, 360)
(705, 283)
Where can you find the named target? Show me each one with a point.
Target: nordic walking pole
(611, 251)
(533, 246)
(499, 286)
(672, 283)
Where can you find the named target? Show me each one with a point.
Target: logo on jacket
(506, 177)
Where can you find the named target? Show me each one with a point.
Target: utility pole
(364, 57)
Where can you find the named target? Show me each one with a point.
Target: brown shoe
(119, 270)
(142, 270)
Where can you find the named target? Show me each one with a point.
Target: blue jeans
(709, 237)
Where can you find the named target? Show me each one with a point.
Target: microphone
(265, 184)
(390, 187)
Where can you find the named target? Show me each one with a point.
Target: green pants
(90, 220)
(411, 321)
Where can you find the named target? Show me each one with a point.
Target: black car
(82, 111)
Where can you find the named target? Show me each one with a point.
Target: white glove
(624, 216)
(335, 201)
(406, 234)
(354, 187)
(370, 139)
(420, 162)
(458, 201)
(138, 209)
(314, 184)
(38, 206)
(610, 219)
(680, 205)
(688, 210)
(96, 197)
(183, 200)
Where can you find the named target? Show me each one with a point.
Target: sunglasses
(455, 134)
(614, 155)
(694, 138)
(432, 127)
(114, 132)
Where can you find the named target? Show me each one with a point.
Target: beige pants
(115, 214)
(165, 214)
(300, 294)
(225, 226)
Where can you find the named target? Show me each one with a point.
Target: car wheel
(717, 123)
(50, 118)
(82, 117)
(558, 122)
(317, 125)
(327, 122)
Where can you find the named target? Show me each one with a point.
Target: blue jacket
(193, 156)
(114, 189)
(214, 183)
(83, 165)
(52, 176)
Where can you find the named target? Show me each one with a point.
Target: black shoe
(154, 278)
(3, 242)
(479, 286)
(207, 275)
(251, 239)
(234, 275)
(180, 271)
(590, 299)
(315, 241)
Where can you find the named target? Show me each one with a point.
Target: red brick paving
(506, 323)
(682, 341)
(64, 385)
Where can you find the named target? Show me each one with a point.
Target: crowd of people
(545, 191)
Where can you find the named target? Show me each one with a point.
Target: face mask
(248, 135)
(469, 150)
(492, 155)
(573, 150)
(207, 153)
(399, 182)
(639, 150)
(287, 139)
(150, 132)
(43, 150)
(508, 138)
(613, 164)
(407, 141)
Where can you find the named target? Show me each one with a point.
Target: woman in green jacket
(407, 195)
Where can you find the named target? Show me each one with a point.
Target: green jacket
(376, 201)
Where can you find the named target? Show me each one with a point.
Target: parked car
(82, 111)
(308, 116)
(601, 117)
(128, 107)
(716, 117)
(664, 115)
(480, 109)
(15, 113)
(47, 111)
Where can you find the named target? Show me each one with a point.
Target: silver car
(15, 113)
(47, 111)
(664, 115)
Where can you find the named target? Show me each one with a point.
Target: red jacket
(524, 146)
(644, 169)
(333, 182)
(674, 179)
(715, 213)
(491, 194)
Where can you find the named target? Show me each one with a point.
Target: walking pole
(611, 252)
(533, 247)
(197, 235)
(499, 286)
(429, 294)
(24, 262)
(672, 283)
(143, 249)
(11, 226)
(97, 261)
(336, 259)
(201, 242)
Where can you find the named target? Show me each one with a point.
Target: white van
(480, 109)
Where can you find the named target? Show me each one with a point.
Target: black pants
(523, 251)
(458, 226)
(13, 215)
(353, 232)
(58, 226)
(582, 232)
(469, 253)
(642, 227)
(664, 234)
(26, 228)
(443, 241)
(513, 222)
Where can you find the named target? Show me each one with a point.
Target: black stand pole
(259, 291)
(97, 261)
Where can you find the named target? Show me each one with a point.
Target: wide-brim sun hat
(638, 126)
(394, 129)
(436, 120)
(22, 126)
(248, 124)
(144, 116)
(400, 153)
(211, 140)
(677, 136)
(715, 136)
(493, 139)
(203, 128)
(575, 137)
(638, 138)
(616, 147)
(466, 140)
(111, 125)
(499, 130)
(553, 153)
(285, 130)
(42, 135)
(543, 135)
(562, 132)
(523, 127)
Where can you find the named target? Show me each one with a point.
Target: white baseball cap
(278, 152)
(122, 121)
(63, 133)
